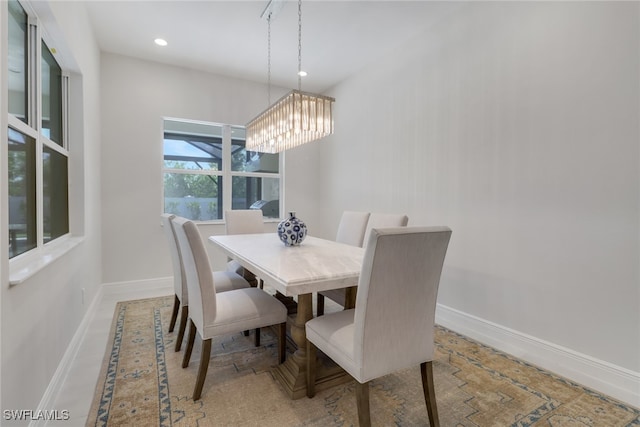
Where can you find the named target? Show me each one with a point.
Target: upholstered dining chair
(243, 221)
(397, 293)
(382, 220)
(352, 227)
(213, 314)
(225, 281)
(353, 232)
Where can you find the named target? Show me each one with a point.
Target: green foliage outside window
(179, 185)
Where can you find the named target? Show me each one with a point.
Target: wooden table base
(292, 373)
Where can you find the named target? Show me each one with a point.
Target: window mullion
(65, 111)
(39, 193)
(32, 72)
(211, 172)
(227, 196)
(22, 127)
(255, 174)
(281, 161)
(35, 47)
(53, 146)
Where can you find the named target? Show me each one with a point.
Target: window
(22, 193)
(55, 196)
(37, 149)
(51, 97)
(18, 81)
(207, 171)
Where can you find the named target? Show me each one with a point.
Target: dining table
(298, 271)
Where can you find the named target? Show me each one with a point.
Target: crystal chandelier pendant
(295, 119)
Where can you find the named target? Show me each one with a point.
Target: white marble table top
(315, 265)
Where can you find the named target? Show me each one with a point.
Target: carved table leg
(292, 373)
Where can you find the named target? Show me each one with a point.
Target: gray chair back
(244, 221)
(397, 292)
(179, 284)
(380, 220)
(198, 274)
(352, 227)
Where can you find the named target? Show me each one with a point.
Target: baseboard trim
(105, 290)
(615, 381)
(55, 385)
(161, 283)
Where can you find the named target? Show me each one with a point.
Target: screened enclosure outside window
(207, 171)
(256, 177)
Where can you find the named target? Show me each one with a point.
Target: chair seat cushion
(334, 334)
(243, 309)
(235, 267)
(228, 281)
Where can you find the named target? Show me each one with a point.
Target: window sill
(222, 221)
(26, 265)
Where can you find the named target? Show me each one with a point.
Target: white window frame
(26, 264)
(226, 173)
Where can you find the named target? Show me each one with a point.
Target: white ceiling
(229, 37)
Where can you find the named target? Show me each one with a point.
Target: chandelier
(296, 118)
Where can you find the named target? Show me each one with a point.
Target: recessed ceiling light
(161, 42)
(302, 73)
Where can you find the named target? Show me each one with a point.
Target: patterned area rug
(142, 384)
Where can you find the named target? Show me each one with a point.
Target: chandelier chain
(269, 59)
(299, 44)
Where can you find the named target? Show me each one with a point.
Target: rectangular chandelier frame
(295, 119)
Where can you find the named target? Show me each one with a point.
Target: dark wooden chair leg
(190, 341)
(350, 295)
(184, 318)
(251, 278)
(257, 338)
(426, 370)
(174, 313)
(320, 307)
(202, 370)
(311, 369)
(362, 401)
(282, 342)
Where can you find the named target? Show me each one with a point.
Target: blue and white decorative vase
(292, 230)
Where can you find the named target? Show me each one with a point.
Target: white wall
(4, 189)
(136, 95)
(517, 125)
(41, 315)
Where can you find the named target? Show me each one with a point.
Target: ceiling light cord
(269, 59)
(299, 44)
(295, 119)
